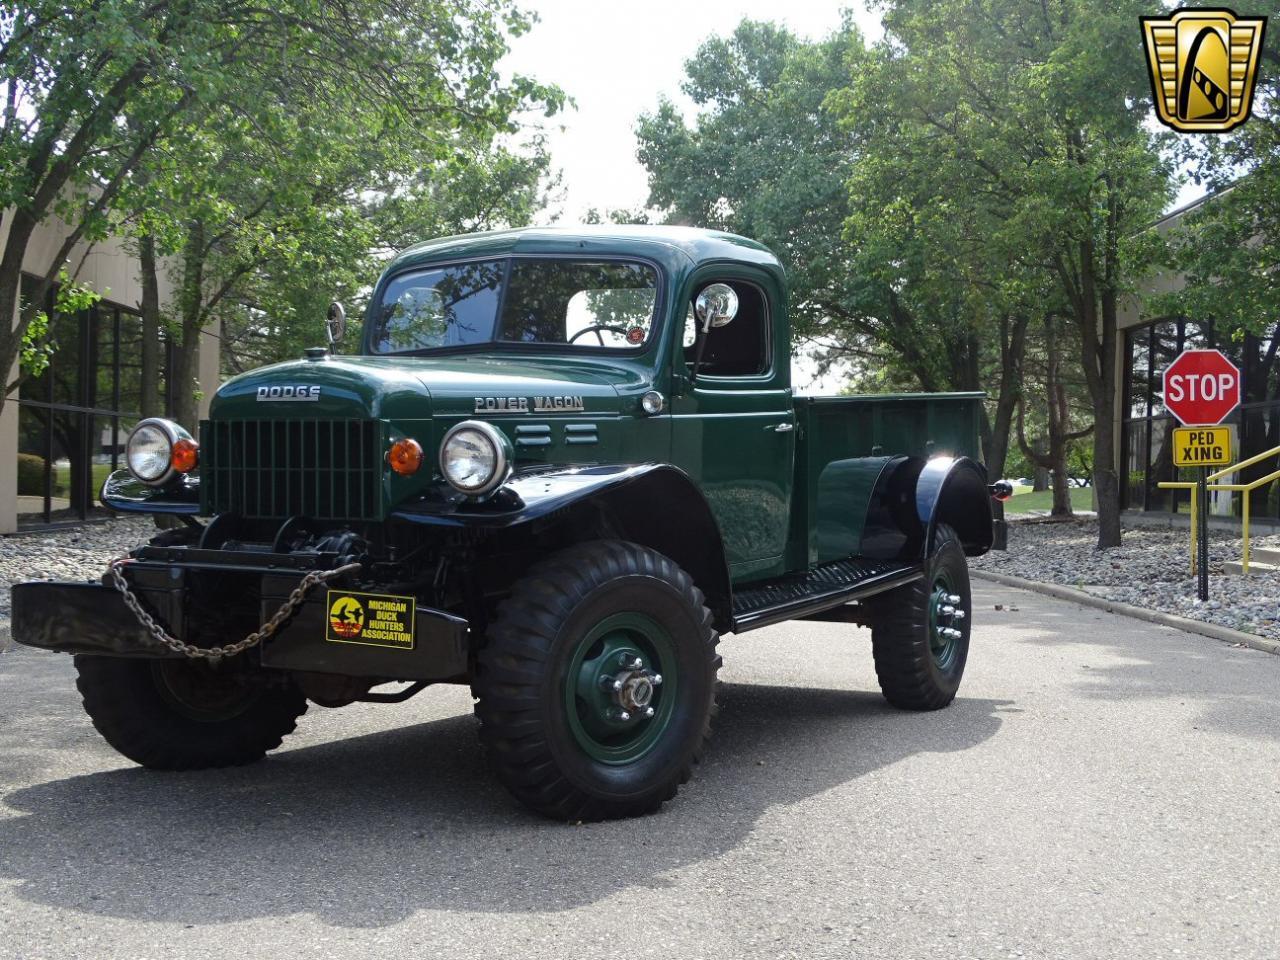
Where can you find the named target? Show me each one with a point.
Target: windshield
(579, 303)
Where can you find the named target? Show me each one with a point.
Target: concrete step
(1265, 555)
(1255, 566)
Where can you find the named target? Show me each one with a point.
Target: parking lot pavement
(1101, 788)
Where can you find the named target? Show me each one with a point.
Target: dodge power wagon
(559, 466)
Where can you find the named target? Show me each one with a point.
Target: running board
(829, 585)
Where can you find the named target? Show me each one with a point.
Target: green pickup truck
(560, 464)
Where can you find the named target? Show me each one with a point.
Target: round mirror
(335, 326)
(717, 305)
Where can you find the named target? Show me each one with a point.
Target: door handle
(785, 427)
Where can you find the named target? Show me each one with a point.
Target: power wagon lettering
(523, 405)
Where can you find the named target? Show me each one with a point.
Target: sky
(615, 59)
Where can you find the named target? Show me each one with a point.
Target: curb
(1225, 634)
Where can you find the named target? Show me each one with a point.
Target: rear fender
(953, 490)
(913, 495)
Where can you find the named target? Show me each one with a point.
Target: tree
(95, 90)
(1044, 105)
(274, 309)
(889, 269)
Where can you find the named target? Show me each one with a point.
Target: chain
(287, 609)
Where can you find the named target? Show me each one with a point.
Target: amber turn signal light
(405, 456)
(185, 456)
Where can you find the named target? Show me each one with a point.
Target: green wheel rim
(944, 647)
(613, 725)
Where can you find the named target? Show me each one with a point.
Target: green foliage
(37, 347)
(255, 144)
(31, 470)
(1229, 249)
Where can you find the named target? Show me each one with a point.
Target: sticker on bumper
(372, 619)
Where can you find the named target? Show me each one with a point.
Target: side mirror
(335, 325)
(716, 306)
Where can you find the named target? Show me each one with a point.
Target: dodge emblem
(289, 392)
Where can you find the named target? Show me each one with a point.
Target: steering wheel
(596, 328)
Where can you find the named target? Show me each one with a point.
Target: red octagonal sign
(1201, 387)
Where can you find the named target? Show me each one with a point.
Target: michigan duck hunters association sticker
(372, 619)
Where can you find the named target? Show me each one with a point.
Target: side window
(739, 349)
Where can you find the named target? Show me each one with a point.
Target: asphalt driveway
(1102, 788)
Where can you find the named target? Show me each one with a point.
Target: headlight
(475, 457)
(150, 447)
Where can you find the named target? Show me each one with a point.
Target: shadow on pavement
(366, 831)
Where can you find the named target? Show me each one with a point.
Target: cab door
(733, 423)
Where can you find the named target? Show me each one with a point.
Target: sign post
(1200, 388)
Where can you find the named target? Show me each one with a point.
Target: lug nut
(648, 711)
(953, 598)
(617, 685)
(959, 614)
(624, 716)
(656, 680)
(947, 610)
(637, 664)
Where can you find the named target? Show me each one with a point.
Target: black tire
(914, 673)
(184, 715)
(538, 749)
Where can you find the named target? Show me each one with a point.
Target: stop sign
(1201, 387)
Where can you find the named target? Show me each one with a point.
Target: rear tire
(558, 733)
(919, 666)
(186, 715)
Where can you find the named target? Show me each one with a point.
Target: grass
(62, 477)
(1024, 501)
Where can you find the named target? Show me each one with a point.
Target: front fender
(652, 504)
(125, 493)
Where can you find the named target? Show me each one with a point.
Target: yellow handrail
(1266, 454)
(1245, 488)
(1195, 512)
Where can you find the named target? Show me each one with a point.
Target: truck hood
(417, 388)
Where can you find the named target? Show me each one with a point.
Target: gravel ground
(79, 553)
(1148, 570)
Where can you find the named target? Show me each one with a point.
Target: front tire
(186, 715)
(920, 632)
(596, 683)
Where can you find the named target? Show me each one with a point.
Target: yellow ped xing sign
(1201, 446)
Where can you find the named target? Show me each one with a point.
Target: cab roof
(692, 245)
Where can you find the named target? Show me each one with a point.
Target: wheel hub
(945, 617)
(631, 689)
(615, 699)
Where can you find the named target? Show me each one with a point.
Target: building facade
(1148, 344)
(63, 431)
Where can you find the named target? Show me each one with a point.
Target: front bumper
(91, 618)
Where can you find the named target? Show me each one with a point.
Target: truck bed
(844, 444)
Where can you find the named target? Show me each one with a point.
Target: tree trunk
(1059, 422)
(1013, 341)
(21, 227)
(187, 349)
(149, 380)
